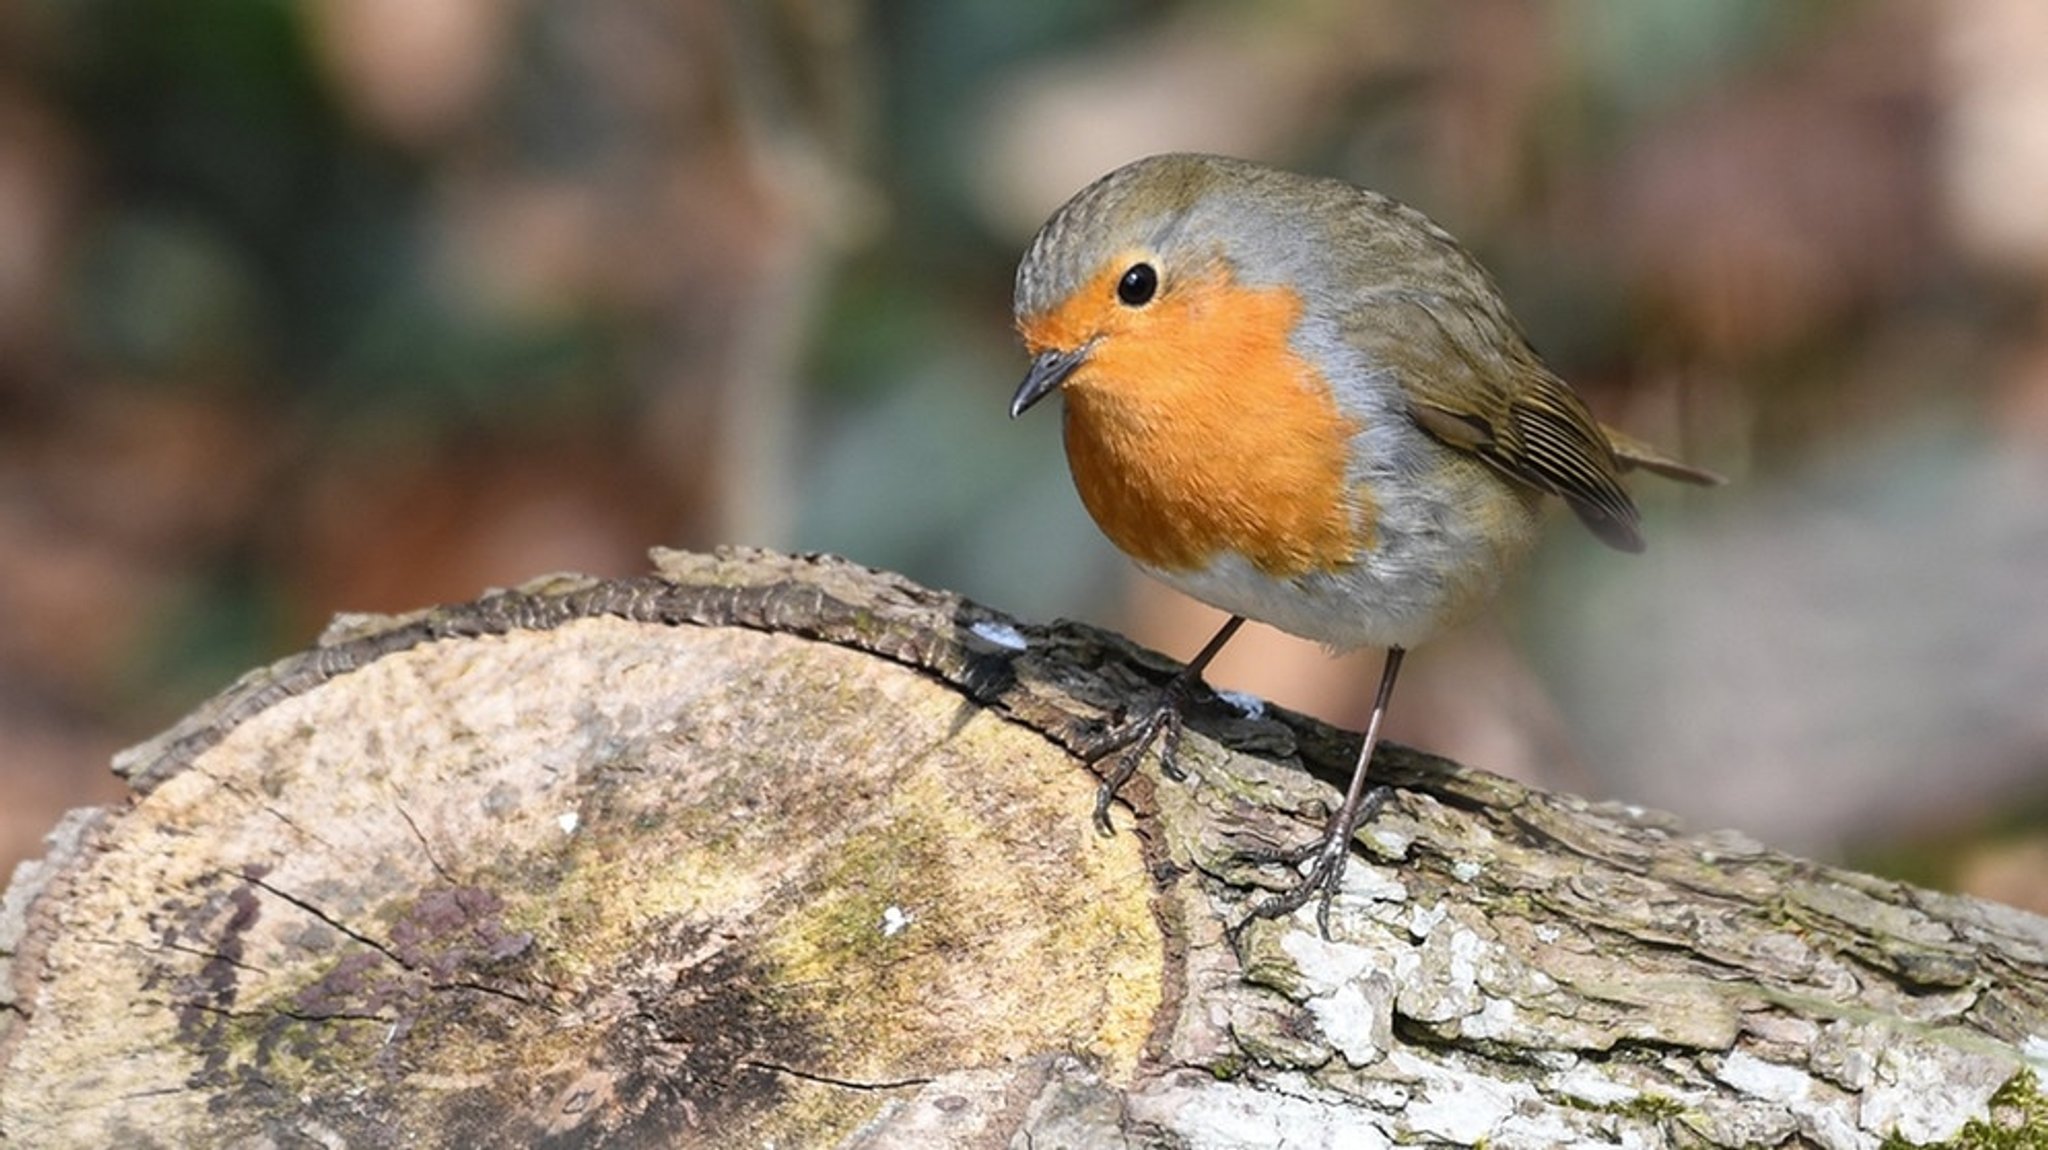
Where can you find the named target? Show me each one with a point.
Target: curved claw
(1164, 719)
(1162, 723)
(1320, 883)
(1331, 853)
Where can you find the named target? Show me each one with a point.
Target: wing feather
(1475, 385)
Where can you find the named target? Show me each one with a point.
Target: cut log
(770, 850)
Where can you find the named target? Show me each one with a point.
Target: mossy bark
(773, 850)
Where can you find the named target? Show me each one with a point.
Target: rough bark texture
(765, 850)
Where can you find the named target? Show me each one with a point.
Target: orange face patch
(1194, 429)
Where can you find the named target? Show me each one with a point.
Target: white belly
(1431, 567)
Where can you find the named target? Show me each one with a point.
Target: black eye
(1138, 285)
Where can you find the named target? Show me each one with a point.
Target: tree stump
(767, 850)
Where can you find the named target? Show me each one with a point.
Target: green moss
(2018, 1121)
(834, 962)
(1656, 1107)
(1228, 1068)
(2022, 1092)
(1644, 1107)
(867, 624)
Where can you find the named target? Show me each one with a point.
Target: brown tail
(1634, 454)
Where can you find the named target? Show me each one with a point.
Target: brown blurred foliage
(359, 306)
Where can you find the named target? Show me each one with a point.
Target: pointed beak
(1048, 371)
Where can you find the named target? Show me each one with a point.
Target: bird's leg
(1162, 722)
(1333, 850)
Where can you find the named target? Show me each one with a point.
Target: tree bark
(763, 850)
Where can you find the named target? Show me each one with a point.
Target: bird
(1306, 404)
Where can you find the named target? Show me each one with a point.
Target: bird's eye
(1137, 287)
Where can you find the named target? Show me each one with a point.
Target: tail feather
(1635, 455)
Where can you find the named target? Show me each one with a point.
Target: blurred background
(311, 306)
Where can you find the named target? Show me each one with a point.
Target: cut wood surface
(764, 850)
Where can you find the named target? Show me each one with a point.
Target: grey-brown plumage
(1401, 290)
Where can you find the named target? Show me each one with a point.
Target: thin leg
(1162, 722)
(1333, 850)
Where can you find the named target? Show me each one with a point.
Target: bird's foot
(1330, 853)
(1128, 741)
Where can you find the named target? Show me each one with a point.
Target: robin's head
(1167, 302)
(1131, 263)
(1175, 253)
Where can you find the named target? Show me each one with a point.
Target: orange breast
(1194, 429)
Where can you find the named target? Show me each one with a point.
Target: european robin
(1303, 403)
